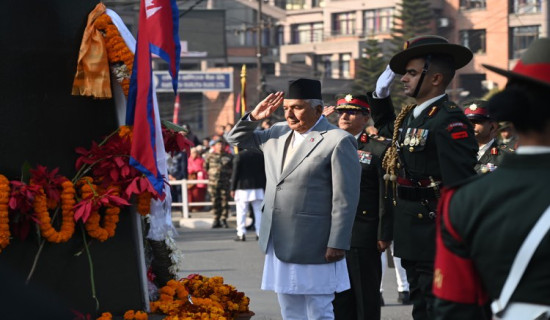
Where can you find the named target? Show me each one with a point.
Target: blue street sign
(194, 81)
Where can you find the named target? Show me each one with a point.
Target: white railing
(185, 204)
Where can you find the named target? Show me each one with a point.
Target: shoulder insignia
(379, 138)
(456, 125)
(494, 151)
(451, 106)
(505, 148)
(459, 135)
(433, 111)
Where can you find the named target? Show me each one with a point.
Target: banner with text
(194, 81)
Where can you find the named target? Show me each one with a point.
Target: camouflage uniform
(219, 167)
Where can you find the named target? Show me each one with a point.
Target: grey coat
(311, 204)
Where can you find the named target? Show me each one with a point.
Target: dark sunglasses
(349, 112)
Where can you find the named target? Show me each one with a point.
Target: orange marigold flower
(105, 316)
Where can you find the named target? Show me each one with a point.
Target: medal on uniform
(407, 140)
(424, 137)
(407, 137)
(413, 138)
(417, 138)
(364, 156)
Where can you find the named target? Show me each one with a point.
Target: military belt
(413, 183)
(417, 193)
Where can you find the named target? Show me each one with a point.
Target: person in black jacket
(372, 227)
(247, 187)
(485, 222)
(433, 146)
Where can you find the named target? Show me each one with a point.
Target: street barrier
(185, 204)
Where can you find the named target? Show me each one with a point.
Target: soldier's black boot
(224, 224)
(216, 224)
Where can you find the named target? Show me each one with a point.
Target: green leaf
(172, 126)
(26, 172)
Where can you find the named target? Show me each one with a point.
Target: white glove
(383, 83)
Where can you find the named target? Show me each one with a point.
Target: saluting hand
(383, 83)
(334, 254)
(266, 107)
(328, 110)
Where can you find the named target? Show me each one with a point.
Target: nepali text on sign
(192, 81)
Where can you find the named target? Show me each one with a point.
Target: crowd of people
(450, 191)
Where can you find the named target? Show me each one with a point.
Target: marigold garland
(137, 315)
(199, 297)
(144, 203)
(4, 219)
(120, 56)
(67, 212)
(105, 316)
(110, 219)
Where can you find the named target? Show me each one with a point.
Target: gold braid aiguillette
(389, 163)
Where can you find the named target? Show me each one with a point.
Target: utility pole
(259, 52)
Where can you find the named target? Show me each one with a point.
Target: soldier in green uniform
(490, 152)
(433, 145)
(372, 227)
(507, 135)
(483, 255)
(219, 165)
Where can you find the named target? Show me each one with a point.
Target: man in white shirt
(310, 201)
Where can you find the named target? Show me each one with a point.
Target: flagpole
(242, 97)
(175, 117)
(243, 90)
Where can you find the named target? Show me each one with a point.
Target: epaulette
(451, 106)
(505, 148)
(380, 139)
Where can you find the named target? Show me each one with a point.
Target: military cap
(350, 102)
(477, 110)
(503, 125)
(533, 66)
(304, 89)
(422, 46)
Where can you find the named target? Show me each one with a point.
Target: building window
(522, 37)
(318, 3)
(525, 6)
(280, 3)
(296, 4)
(280, 36)
(471, 85)
(344, 64)
(474, 39)
(343, 23)
(472, 4)
(307, 33)
(377, 21)
(323, 66)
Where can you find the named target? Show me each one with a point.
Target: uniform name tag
(364, 156)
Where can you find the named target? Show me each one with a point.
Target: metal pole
(184, 199)
(259, 51)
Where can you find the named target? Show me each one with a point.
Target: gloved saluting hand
(383, 83)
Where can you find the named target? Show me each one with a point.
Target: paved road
(213, 252)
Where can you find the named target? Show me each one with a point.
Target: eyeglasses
(349, 112)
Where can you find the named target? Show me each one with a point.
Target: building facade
(280, 40)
